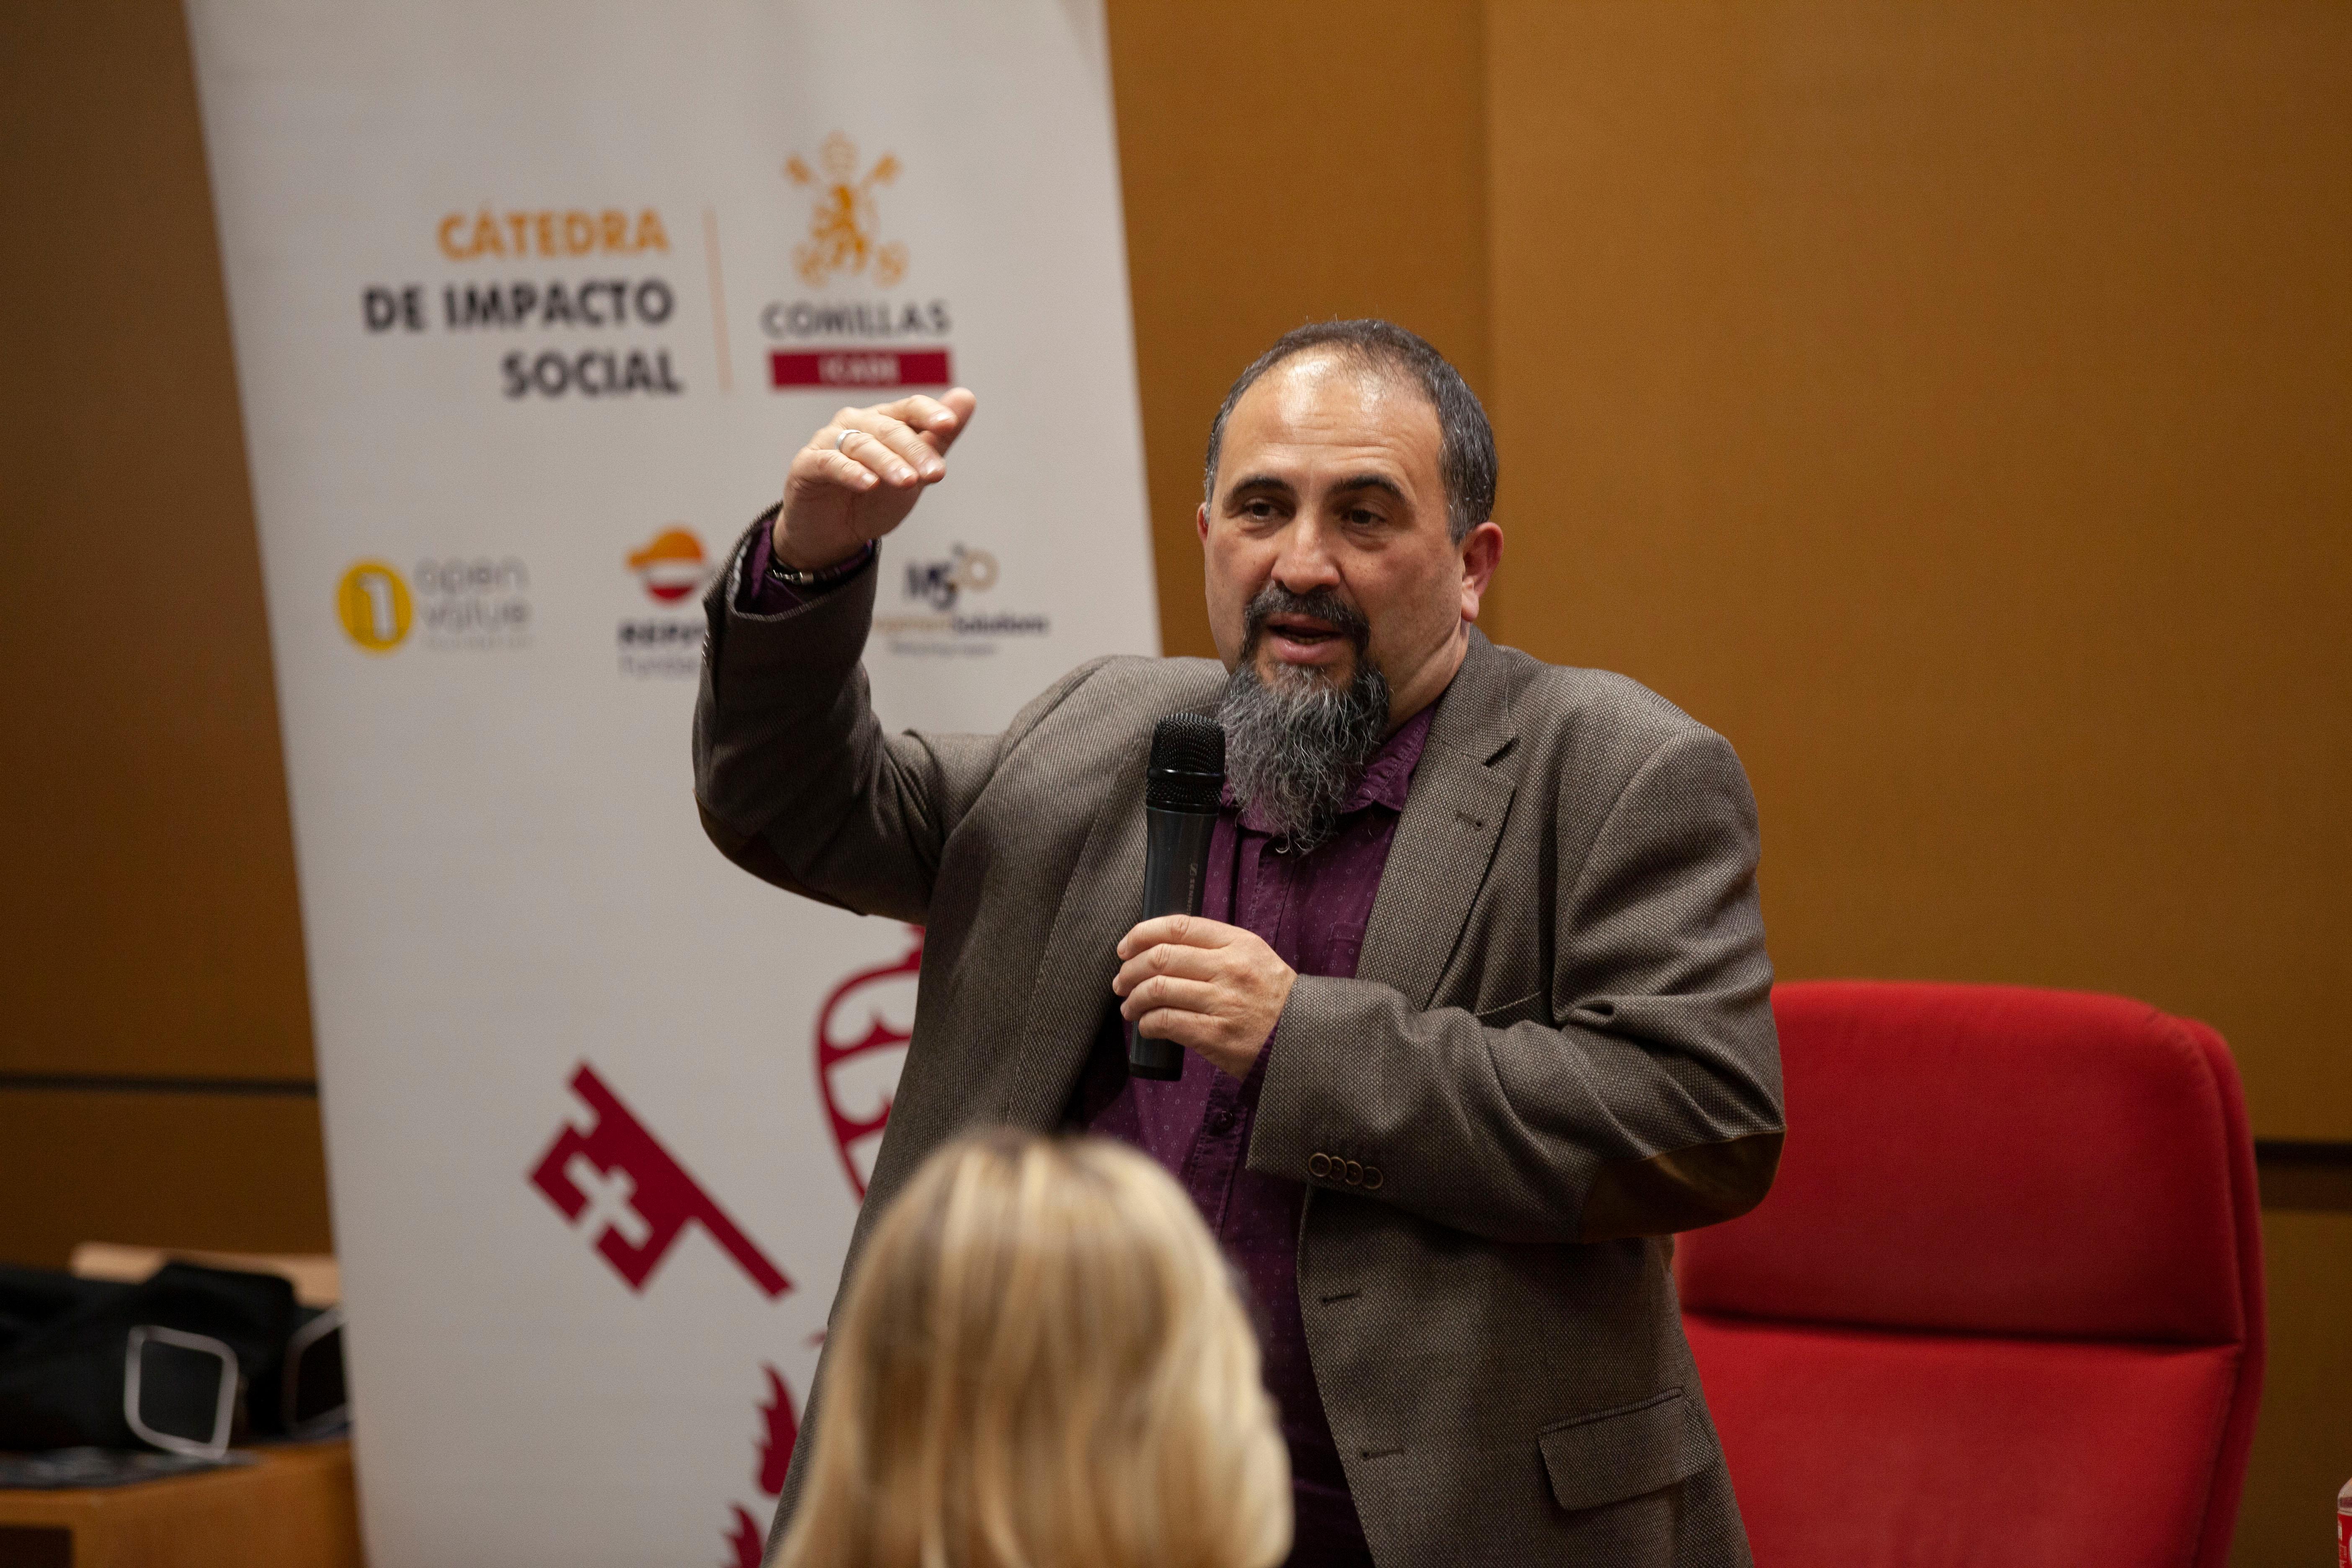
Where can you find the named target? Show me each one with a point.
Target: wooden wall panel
(1949, 402)
(1282, 164)
(151, 924)
(226, 1172)
(2303, 1446)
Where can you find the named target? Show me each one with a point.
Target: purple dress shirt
(1311, 910)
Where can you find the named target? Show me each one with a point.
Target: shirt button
(1282, 845)
(1220, 1117)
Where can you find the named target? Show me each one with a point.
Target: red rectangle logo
(860, 368)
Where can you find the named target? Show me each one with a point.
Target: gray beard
(1295, 747)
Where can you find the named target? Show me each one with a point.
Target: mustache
(1319, 604)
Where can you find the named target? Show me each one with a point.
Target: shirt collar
(1386, 779)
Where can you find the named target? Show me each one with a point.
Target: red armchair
(2004, 1304)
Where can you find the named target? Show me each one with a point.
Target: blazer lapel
(1104, 898)
(1446, 834)
(1103, 901)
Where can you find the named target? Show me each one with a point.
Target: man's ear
(1482, 552)
(1201, 522)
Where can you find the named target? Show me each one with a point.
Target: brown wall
(160, 1167)
(151, 929)
(1261, 195)
(145, 797)
(2302, 1448)
(1947, 401)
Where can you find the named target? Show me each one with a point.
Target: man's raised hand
(859, 477)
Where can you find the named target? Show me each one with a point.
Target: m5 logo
(937, 583)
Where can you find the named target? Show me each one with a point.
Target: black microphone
(1181, 794)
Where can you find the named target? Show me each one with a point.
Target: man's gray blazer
(1557, 1050)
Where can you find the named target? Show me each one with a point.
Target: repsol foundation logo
(867, 341)
(612, 295)
(456, 602)
(670, 569)
(941, 620)
(671, 566)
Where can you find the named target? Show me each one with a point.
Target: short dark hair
(1466, 449)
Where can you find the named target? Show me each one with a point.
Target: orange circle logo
(671, 566)
(373, 605)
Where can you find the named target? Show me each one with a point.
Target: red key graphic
(639, 1188)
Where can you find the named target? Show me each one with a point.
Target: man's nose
(1305, 563)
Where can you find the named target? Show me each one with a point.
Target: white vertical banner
(532, 304)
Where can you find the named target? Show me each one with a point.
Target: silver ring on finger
(843, 436)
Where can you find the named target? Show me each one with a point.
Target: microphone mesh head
(1188, 743)
(1188, 764)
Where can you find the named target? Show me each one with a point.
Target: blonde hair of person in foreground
(1042, 1363)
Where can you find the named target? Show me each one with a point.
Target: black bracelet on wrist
(823, 576)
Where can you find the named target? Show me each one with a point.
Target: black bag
(189, 1361)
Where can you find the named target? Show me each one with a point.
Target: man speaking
(1476, 1013)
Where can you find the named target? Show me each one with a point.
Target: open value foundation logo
(374, 606)
(457, 602)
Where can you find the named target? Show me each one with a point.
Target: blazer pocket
(1533, 1007)
(1624, 1452)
